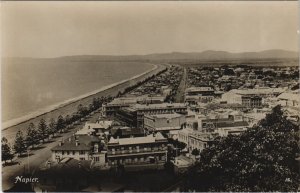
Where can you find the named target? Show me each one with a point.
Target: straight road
(179, 98)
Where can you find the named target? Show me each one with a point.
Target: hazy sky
(51, 29)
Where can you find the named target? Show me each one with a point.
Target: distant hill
(222, 55)
(208, 55)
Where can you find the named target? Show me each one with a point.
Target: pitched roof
(90, 127)
(66, 167)
(84, 143)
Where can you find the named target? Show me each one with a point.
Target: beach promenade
(69, 107)
(35, 159)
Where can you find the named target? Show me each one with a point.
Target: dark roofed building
(125, 132)
(67, 175)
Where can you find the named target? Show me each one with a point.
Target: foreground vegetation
(261, 159)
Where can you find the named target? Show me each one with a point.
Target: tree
(19, 146)
(52, 127)
(195, 152)
(68, 120)
(60, 125)
(43, 129)
(80, 110)
(6, 150)
(229, 71)
(261, 159)
(96, 103)
(32, 136)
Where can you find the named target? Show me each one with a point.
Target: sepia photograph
(150, 96)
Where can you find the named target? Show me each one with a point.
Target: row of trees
(36, 134)
(259, 160)
(139, 83)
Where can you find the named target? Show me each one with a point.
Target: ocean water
(28, 85)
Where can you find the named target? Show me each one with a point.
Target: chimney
(60, 143)
(70, 139)
(77, 142)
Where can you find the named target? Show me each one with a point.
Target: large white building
(163, 122)
(290, 102)
(250, 97)
(200, 130)
(234, 96)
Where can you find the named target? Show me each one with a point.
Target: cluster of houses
(225, 78)
(135, 132)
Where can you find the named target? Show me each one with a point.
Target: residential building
(289, 99)
(97, 129)
(290, 102)
(68, 174)
(200, 140)
(79, 147)
(183, 135)
(125, 132)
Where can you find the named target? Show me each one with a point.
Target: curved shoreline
(14, 122)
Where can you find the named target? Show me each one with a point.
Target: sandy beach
(9, 128)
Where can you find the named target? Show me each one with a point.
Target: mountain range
(205, 55)
(209, 55)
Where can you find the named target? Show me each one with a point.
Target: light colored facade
(200, 140)
(163, 122)
(111, 108)
(183, 135)
(152, 109)
(290, 102)
(289, 99)
(82, 147)
(200, 130)
(194, 95)
(148, 150)
(264, 92)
